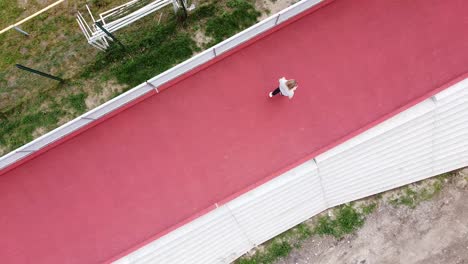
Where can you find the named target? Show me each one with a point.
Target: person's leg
(276, 91)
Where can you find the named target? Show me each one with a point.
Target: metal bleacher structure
(119, 17)
(425, 140)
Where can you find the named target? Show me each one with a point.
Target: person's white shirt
(284, 88)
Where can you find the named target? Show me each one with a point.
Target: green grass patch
(274, 251)
(279, 247)
(303, 231)
(9, 52)
(9, 12)
(412, 197)
(24, 127)
(76, 102)
(239, 15)
(347, 220)
(202, 12)
(369, 208)
(407, 198)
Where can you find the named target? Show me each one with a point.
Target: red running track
(215, 134)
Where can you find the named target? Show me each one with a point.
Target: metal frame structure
(117, 18)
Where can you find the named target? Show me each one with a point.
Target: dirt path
(434, 232)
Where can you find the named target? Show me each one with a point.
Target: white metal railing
(154, 83)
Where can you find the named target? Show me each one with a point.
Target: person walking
(286, 88)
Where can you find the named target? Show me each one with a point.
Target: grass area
(275, 250)
(31, 105)
(76, 102)
(20, 127)
(412, 195)
(9, 12)
(369, 208)
(279, 247)
(347, 220)
(241, 15)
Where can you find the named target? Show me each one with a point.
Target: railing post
(324, 195)
(277, 18)
(154, 87)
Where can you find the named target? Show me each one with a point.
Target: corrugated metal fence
(426, 140)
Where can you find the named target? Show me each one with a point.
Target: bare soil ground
(270, 7)
(434, 232)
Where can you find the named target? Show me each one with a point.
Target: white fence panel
(400, 155)
(296, 9)
(451, 134)
(56, 134)
(119, 101)
(454, 91)
(280, 204)
(245, 35)
(182, 68)
(212, 238)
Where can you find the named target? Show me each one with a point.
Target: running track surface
(216, 134)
